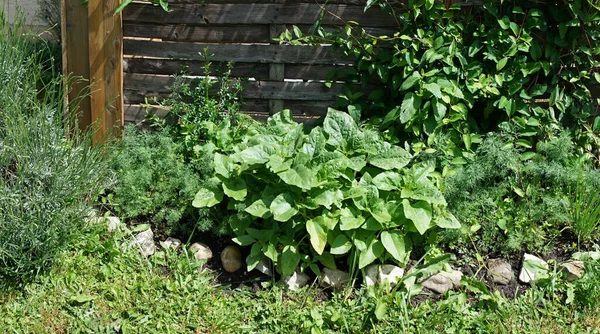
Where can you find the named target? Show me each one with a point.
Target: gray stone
(172, 243)
(533, 269)
(231, 259)
(383, 273)
(296, 280)
(145, 242)
(334, 278)
(499, 271)
(112, 223)
(200, 251)
(264, 266)
(443, 281)
(573, 269)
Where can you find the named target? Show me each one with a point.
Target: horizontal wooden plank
(311, 72)
(138, 86)
(294, 54)
(193, 68)
(256, 13)
(206, 34)
(136, 114)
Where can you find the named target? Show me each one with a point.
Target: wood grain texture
(106, 71)
(255, 13)
(254, 53)
(75, 58)
(204, 34)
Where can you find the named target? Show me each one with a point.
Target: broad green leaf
(388, 181)
(535, 269)
(341, 245)
(410, 81)
(348, 221)
(235, 188)
(208, 197)
(339, 127)
(290, 258)
(259, 209)
(419, 213)
(434, 89)
(409, 107)
(255, 256)
(318, 235)
(223, 165)
(244, 240)
(283, 207)
(439, 110)
(447, 220)
(393, 241)
(429, 4)
(500, 65)
(379, 212)
(424, 191)
(252, 155)
(140, 228)
(327, 260)
(326, 197)
(300, 177)
(597, 77)
(393, 158)
(278, 164)
(373, 252)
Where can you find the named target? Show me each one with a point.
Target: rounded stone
(499, 271)
(231, 259)
(201, 251)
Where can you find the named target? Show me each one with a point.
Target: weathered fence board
(157, 45)
(246, 53)
(256, 13)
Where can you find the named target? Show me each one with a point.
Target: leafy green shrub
(525, 66)
(46, 180)
(194, 103)
(155, 182)
(520, 201)
(307, 198)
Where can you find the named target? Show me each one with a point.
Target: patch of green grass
(99, 287)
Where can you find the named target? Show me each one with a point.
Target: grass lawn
(99, 286)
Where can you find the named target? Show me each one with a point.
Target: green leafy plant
(510, 199)
(523, 67)
(307, 198)
(586, 211)
(47, 180)
(155, 182)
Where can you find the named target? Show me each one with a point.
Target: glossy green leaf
(283, 207)
(290, 258)
(341, 245)
(419, 213)
(317, 232)
(410, 81)
(394, 244)
(208, 197)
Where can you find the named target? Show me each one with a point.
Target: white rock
(334, 278)
(443, 281)
(573, 269)
(499, 271)
(145, 242)
(533, 269)
(390, 273)
(296, 280)
(372, 275)
(201, 251)
(264, 265)
(383, 273)
(112, 223)
(173, 243)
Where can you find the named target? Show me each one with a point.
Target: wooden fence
(157, 45)
(132, 57)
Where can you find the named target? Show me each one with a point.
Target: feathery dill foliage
(46, 180)
(520, 205)
(156, 183)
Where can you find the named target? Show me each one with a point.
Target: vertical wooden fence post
(276, 71)
(92, 49)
